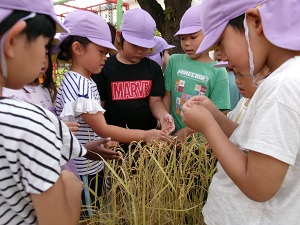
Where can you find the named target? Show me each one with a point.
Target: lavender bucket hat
(138, 28)
(215, 15)
(90, 25)
(190, 21)
(284, 30)
(36, 6)
(160, 45)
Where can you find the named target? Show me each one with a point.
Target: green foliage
(166, 184)
(157, 33)
(59, 74)
(169, 14)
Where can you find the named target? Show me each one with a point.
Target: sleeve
(158, 83)
(44, 149)
(168, 74)
(80, 96)
(220, 95)
(275, 131)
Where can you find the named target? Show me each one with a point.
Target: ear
(253, 17)
(10, 39)
(77, 48)
(117, 42)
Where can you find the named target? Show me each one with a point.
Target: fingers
(106, 154)
(73, 126)
(104, 140)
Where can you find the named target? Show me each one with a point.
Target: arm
(98, 124)
(60, 204)
(257, 175)
(95, 147)
(160, 112)
(167, 100)
(227, 125)
(184, 132)
(103, 104)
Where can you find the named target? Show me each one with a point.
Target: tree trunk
(168, 20)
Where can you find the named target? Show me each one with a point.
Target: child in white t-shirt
(259, 160)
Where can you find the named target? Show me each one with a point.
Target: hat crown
(43, 7)
(138, 27)
(87, 24)
(191, 17)
(190, 21)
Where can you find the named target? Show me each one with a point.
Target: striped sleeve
(34, 144)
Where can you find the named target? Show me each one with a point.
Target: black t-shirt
(126, 90)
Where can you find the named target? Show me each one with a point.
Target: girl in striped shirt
(78, 99)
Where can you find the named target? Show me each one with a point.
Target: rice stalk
(158, 183)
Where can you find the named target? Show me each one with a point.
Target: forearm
(60, 204)
(120, 134)
(258, 176)
(158, 109)
(167, 101)
(227, 125)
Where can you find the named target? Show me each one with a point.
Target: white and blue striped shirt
(77, 95)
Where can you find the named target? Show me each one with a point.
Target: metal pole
(119, 13)
(61, 2)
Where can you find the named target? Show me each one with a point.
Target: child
(34, 143)
(42, 94)
(131, 86)
(87, 45)
(246, 87)
(161, 52)
(192, 74)
(235, 96)
(258, 172)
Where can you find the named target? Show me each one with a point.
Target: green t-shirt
(185, 77)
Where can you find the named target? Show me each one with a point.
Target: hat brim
(4, 13)
(188, 30)
(112, 49)
(60, 28)
(169, 47)
(145, 43)
(210, 39)
(221, 64)
(165, 47)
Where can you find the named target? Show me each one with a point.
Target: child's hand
(196, 117)
(205, 102)
(150, 135)
(96, 147)
(110, 144)
(73, 126)
(167, 123)
(184, 132)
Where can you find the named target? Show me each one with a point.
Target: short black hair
(238, 23)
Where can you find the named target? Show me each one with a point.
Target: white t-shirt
(271, 126)
(32, 94)
(34, 144)
(237, 114)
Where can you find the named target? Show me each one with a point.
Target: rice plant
(158, 183)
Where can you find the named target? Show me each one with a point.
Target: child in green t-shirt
(192, 74)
